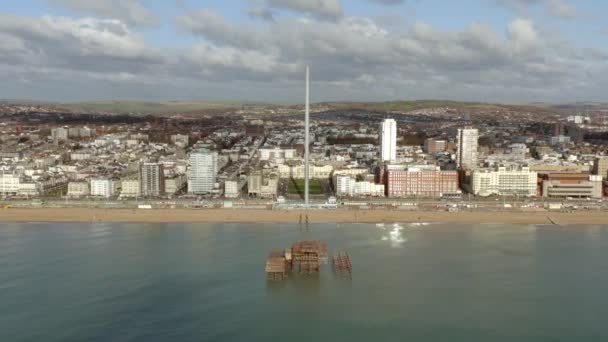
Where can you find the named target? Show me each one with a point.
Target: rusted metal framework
(307, 256)
(276, 266)
(341, 265)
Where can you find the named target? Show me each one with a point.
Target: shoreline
(84, 215)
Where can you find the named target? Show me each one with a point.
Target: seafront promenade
(94, 215)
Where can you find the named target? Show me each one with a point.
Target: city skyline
(490, 51)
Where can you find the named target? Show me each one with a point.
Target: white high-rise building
(466, 155)
(388, 140)
(203, 170)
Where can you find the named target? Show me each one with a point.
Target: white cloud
(131, 12)
(352, 58)
(322, 8)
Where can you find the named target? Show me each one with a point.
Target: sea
(198, 282)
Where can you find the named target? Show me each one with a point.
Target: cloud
(131, 12)
(388, 2)
(321, 8)
(261, 13)
(554, 8)
(559, 8)
(353, 58)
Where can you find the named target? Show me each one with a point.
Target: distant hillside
(126, 107)
(402, 106)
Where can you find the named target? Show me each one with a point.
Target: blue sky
(483, 50)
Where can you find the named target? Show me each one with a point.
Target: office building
(574, 185)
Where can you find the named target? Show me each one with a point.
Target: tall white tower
(388, 140)
(203, 171)
(466, 154)
(307, 139)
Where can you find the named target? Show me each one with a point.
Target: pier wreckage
(305, 257)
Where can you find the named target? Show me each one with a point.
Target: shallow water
(112, 282)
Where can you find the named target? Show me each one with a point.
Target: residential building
(504, 182)
(203, 171)
(175, 183)
(344, 185)
(434, 145)
(559, 139)
(103, 187)
(600, 167)
(78, 189)
(231, 189)
(9, 183)
(277, 154)
(388, 140)
(130, 187)
(297, 172)
(59, 133)
(180, 139)
(467, 154)
(152, 180)
(254, 183)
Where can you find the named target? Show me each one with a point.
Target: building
(264, 186)
(388, 140)
(130, 187)
(297, 172)
(505, 182)
(203, 171)
(78, 132)
(466, 153)
(231, 189)
(575, 185)
(434, 145)
(103, 187)
(78, 189)
(59, 133)
(421, 183)
(81, 155)
(344, 185)
(559, 139)
(175, 183)
(152, 180)
(180, 139)
(254, 183)
(277, 154)
(600, 167)
(9, 184)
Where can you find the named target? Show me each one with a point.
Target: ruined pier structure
(305, 257)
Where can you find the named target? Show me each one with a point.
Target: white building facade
(467, 151)
(103, 187)
(388, 140)
(505, 182)
(203, 171)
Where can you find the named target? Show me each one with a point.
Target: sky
(510, 51)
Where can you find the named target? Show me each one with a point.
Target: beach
(85, 215)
